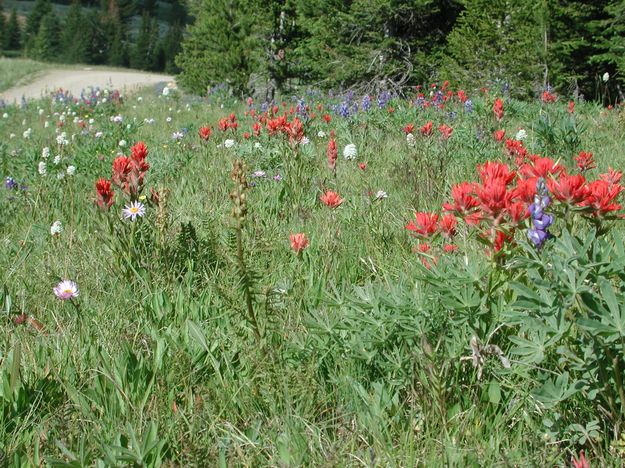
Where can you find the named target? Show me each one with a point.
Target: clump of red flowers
(498, 109)
(498, 205)
(205, 132)
(331, 199)
(128, 175)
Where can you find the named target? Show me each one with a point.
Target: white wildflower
(350, 152)
(43, 170)
(71, 170)
(56, 228)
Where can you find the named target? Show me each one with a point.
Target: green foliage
(221, 47)
(13, 32)
(145, 55)
(497, 44)
(45, 45)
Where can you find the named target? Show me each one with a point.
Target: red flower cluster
(585, 161)
(128, 172)
(229, 122)
(205, 132)
(445, 131)
(548, 97)
(104, 193)
(498, 205)
(498, 109)
(332, 154)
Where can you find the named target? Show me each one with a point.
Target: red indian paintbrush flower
(425, 224)
(445, 131)
(463, 199)
(494, 197)
(499, 135)
(426, 130)
(498, 109)
(298, 242)
(569, 188)
(612, 176)
(585, 161)
(104, 193)
(447, 226)
(331, 199)
(601, 197)
(205, 132)
(408, 128)
(332, 153)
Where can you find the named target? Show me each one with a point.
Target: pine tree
(574, 44)
(221, 47)
(145, 54)
(3, 28)
(499, 44)
(45, 45)
(13, 35)
(76, 35)
(41, 9)
(379, 43)
(171, 47)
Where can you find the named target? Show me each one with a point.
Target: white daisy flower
(136, 208)
(66, 289)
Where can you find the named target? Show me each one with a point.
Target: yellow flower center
(134, 209)
(68, 291)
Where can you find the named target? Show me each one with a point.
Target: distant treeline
(97, 33)
(517, 46)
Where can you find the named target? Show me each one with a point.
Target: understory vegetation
(345, 280)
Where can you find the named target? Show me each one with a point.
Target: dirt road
(77, 80)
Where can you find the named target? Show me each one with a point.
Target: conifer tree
(3, 28)
(41, 9)
(171, 47)
(76, 35)
(221, 47)
(497, 43)
(45, 45)
(13, 34)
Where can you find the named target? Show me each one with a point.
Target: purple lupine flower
(366, 103)
(10, 183)
(541, 220)
(468, 106)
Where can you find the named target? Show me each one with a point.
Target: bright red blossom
(298, 242)
(425, 225)
(331, 199)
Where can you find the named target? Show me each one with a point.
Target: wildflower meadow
(432, 278)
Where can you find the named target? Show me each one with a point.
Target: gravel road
(77, 80)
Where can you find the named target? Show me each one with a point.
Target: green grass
(15, 72)
(156, 361)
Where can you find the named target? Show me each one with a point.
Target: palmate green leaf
(555, 391)
(528, 298)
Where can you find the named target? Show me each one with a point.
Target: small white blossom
(121, 143)
(177, 136)
(117, 119)
(43, 170)
(57, 159)
(380, 195)
(46, 124)
(40, 111)
(606, 77)
(521, 135)
(304, 141)
(257, 145)
(98, 134)
(71, 170)
(27, 133)
(410, 139)
(60, 175)
(321, 134)
(229, 143)
(56, 228)
(45, 153)
(168, 119)
(350, 152)
(12, 135)
(5, 116)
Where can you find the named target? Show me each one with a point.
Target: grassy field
(204, 335)
(19, 71)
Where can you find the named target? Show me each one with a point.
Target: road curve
(76, 80)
